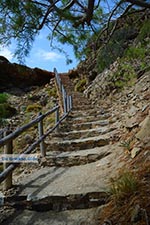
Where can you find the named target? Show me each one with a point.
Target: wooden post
(57, 118)
(8, 149)
(71, 102)
(64, 100)
(68, 103)
(41, 132)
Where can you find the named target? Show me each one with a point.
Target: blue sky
(42, 56)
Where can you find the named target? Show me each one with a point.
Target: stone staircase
(81, 158)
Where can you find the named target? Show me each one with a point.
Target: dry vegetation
(130, 194)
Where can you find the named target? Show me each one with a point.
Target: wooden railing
(65, 98)
(7, 140)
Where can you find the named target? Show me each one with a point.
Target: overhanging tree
(70, 22)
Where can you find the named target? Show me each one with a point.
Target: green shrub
(144, 31)
(123, 186)
(108, 54)
(34, 108)
(6, 110)
(124, 76)
(114, 48)
(52, 92)
(3, 97)
(135, 53)
(80, 86)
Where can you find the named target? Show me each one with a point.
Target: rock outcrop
(14, 75)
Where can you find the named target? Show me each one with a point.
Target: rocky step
(81, 106)
(83, 126)
(67, 217)
(81, 119)
(77, 144)
(67, 83)
(67, 159)
(81, 103)
(80, 98)
(79, 134)
(58, 203)
(94, 177)
(91, 111)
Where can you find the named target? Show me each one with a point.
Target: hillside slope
(118, 78)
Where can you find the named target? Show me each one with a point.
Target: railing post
(67, 100)
(70, 100)
(57, 118)
(68, 107)
(8, 149)
(64, 99)
(41, 132)
(65, 103)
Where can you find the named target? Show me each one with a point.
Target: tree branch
(44, 19)
(139, 3)
(89, 13)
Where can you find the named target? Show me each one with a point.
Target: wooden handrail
(65, 98)
(8, 139)
(20, 130)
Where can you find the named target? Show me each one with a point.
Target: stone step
(51, 182)
(85, 105)
(77, 144)
(79, 134)
(58, 203)
(67, 159)
(67, 217)
(91, 111)
(81, 107)
(65, 195)
(81, 119)
(83, 126)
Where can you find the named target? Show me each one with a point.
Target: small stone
(136, 214)
(134, 152)
(131, 123)
(28, 139)
(144, 108)
(132, 111)
(43, 161)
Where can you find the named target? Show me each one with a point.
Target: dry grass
(129, 191)
(123, 186)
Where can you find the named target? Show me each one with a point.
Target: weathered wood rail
(7, 140)
(66, 100)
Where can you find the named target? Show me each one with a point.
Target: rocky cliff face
(127, 49)
(13, 75)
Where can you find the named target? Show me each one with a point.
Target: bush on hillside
(6, 110)
(80, 86)
(144, 32)
(115, 47)
(34, 108)
(3, 98)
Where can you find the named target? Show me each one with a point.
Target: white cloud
(48, 56)
(4, 51)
